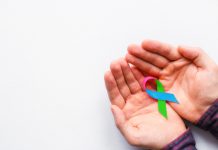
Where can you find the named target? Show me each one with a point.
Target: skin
(135, 113)
(188, 72)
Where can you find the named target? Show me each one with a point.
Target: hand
(187, 72)
(136, 115)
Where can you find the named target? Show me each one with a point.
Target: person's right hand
(135, 113)
(187, 72)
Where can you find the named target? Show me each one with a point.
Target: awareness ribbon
(160, 95)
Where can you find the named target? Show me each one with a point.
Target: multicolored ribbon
(160, 95)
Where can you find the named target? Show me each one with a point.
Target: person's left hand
(187, 72)
(135, 113)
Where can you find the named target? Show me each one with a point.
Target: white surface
(53, 54)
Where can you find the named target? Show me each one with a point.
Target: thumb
(196, 55)
(120, 121)
(119, 117)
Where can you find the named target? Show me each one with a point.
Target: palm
(138, 110)
(147, 124)
(135, 103)
(176, 79)
(144, 123)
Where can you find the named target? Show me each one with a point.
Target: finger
(152, 58)
(161, 49)
(138, 75)
(196, 55)
(113, 91)
(129, 77)
(142, 65)
(120, 80)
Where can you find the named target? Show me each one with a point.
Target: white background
(53, 55)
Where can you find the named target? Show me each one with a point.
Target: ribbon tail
(162, 108)
(161, 103)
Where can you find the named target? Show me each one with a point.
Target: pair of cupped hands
(187, 72)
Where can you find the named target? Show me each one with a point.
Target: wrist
(208, 116)
(173, 136)
(185, 140)
(207, 105)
